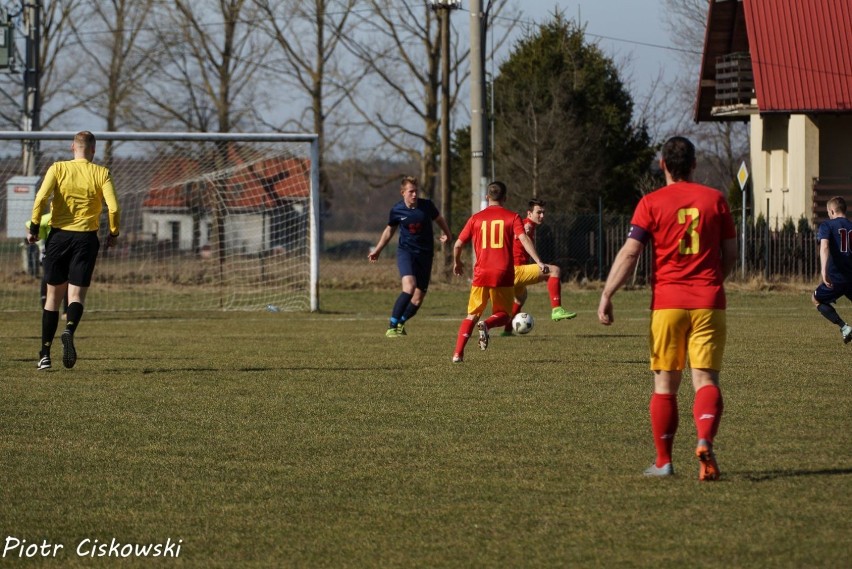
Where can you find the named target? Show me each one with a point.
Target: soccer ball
(523, 323)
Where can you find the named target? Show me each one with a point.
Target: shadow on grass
(776, 474)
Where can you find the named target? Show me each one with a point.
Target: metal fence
(585, 246)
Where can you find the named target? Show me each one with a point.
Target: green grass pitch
(298, 440)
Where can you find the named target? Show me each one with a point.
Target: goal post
(208, 220)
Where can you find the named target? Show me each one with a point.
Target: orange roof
(251, 185)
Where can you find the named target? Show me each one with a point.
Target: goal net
(208, 221)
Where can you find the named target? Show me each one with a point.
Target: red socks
(664, 421)
(707, 411)
(465, 330)
(554, 289)
(497, 319)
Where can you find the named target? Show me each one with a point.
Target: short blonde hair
(836, 203)
(85, 139)
(408, 180)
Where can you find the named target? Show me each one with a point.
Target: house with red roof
(786, 67)
(253, 201)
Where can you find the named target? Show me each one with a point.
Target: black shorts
(419, 265)
(69, 256)
(827, 295)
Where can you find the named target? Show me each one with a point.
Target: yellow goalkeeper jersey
(79, 189)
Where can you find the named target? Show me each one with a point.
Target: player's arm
(113, 209)
(729, 256)
(387, 234)
(48, 185)
(529, 247)
(622, 269)
(824, 254)
(446, 234)
(458, 265)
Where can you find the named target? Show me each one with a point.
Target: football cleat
(709, 469)
(400, 330)
(483, 335)
(560, 313)
(846, 332)
(665, 470)
(458, 358)
(69, 354)
(44, 362)
(392, 333)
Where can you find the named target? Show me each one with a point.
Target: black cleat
(69, 354)
(44, 362)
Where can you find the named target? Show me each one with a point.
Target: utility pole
(32, 111)
(443, 7)
(478, 182)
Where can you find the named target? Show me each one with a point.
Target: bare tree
(398, 43)
(121, 56)
(58, 77)
(309, 34)
(722, 144)
(211, 55)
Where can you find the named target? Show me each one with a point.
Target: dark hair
(679, 157)
(837, 204)
(535, 202)
(497, 191)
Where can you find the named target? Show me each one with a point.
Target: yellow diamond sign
(742, 175)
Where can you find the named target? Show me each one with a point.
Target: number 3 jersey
(686, 223)
(493, 232)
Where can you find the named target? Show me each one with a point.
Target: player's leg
(422, 276)
(81, 269)
(823, 298)
(525, 275)
(706, 351)
(520, 297)
(501, 302)
(477, 301)
(554, 290)
(55, 265)
(50, 322)
(405, 264)
(668, 334)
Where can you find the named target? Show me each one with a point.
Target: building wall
(785, 152)
(788, 152)
(244, 233)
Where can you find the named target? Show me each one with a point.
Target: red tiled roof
(801, 53)
(251, 187)
(800, 50)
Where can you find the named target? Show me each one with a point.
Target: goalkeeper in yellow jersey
(76, 190)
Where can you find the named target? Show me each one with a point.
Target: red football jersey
(686, 223)
(519, 254)
(493, 232)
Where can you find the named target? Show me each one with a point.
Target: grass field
(297, 440)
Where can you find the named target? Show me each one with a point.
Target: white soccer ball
(523, 323)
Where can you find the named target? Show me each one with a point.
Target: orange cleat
(709, 469)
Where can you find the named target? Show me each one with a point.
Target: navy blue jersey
(838, 231)
(415, 225)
